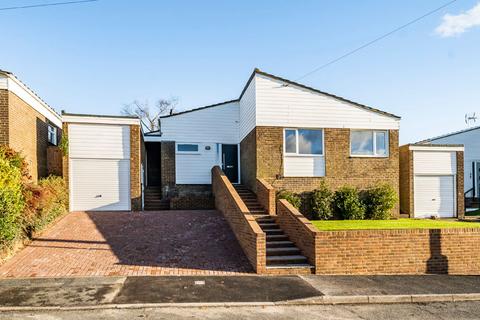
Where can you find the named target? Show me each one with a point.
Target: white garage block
(99, 184)
(434, 195)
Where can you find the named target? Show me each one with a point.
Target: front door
(230, 161)
(153, 164)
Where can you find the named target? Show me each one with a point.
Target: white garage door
(99, 167)
(434, 195)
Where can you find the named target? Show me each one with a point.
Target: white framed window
(369, 143)
(303, 142)
(52, 135)
(187, 148)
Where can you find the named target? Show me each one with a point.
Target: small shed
(431, 181)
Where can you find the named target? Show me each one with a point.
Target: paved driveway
(124, 243)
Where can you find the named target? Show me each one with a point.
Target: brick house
(30, 126)
(291, 135)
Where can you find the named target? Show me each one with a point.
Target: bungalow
(30, 126)
(288, 134)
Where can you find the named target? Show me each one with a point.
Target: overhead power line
(46, 5)
(375, 40)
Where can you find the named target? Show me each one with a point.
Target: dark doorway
(230, 161)
(153, 164)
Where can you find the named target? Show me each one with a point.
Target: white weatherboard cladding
(471, 142)
(215, 124)
(304, 166)
(195, 168)
(99, 141)
(293, 106)
(3, 82)
(247, 110)
(434, 195)
(434, 162)
(99, 184)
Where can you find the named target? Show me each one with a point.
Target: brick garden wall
(413, 251)
(167, 159)
(340, 168)
(460, 185)
(247, 231)
(28, 135)
(266, 196)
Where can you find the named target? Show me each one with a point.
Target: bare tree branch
(150, 115)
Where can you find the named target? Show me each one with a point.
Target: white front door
(434, 196)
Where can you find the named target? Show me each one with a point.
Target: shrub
(379, 202)
(15, 159)
(294, 199)
(46, 202)
(347, 204)
(321, 202)
(11, 201)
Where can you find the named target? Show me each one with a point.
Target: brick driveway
(123, 243)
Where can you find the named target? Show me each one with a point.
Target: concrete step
(272, 225)
(280, 244)
(277, 237)
(289, 259)
(290, 266)
(283, 251)
(270, 232)
(257, 211)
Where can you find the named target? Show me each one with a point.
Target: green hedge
(26, 207)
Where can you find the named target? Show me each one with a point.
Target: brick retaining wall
(266, 196)
(410, 251)
(247, 231)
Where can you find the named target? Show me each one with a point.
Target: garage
(99, 164)
(431, 181)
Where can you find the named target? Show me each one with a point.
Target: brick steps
(153, 201)
(283, 257)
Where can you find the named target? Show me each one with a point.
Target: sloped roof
(449, 134)
(289, 82)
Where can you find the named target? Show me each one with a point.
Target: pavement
(84, 293)
(432, 311)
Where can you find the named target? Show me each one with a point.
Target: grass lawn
(332, 225)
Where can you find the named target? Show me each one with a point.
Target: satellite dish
(470, 118)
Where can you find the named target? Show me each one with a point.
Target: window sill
(291, 155)
(374, 157)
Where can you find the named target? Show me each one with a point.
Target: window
(52, 135)
(184, 147)
(369, 143)
(304, 142)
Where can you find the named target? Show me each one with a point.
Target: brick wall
(248, 161)
(54, 161)
(299, 230)
(65, 160)
(415, 251)
(247, 231)
(191, 196)
(406, 180)
(28, 134)
(266, 196)
(135, 162)
(3, 116)
(167, 151)
(340, 167)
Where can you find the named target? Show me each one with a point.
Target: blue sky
(96, 57)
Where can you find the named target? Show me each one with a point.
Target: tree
(150, 115)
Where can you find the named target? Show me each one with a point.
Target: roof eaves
(258, 71)
(98, 115)
(200, 108)
(449, 134)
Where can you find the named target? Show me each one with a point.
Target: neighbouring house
(470, 138)
(431, 181)
(30, 126)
